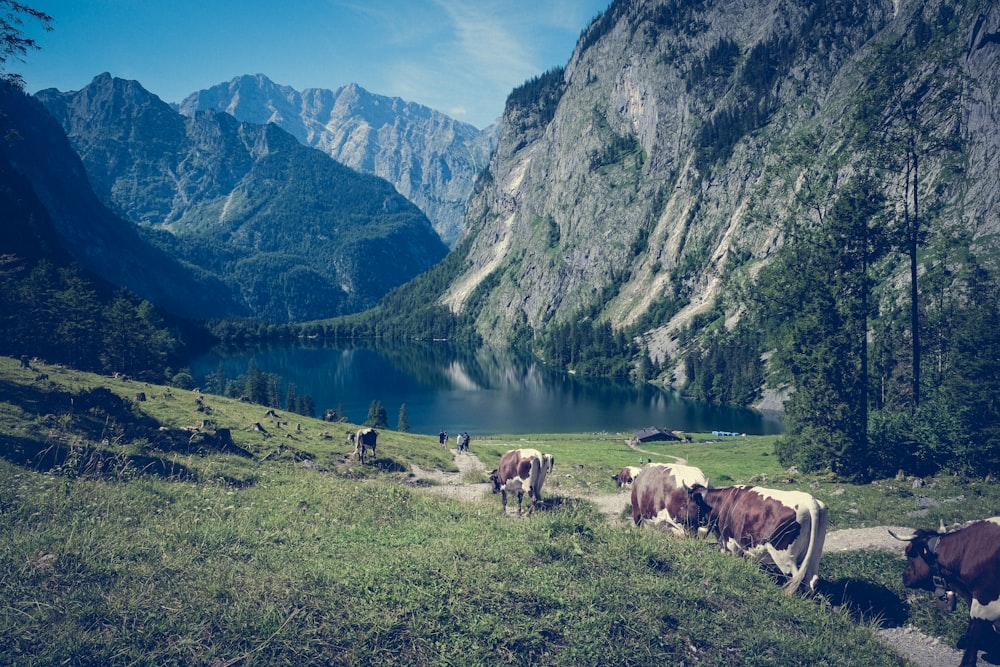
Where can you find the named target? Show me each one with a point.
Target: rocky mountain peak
(433, 160)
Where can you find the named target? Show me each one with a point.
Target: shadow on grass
(865, 601)
(86, 460)
(387, 465)
(74, 420)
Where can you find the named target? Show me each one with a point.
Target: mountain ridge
(293, 233)
(49, 171)
(432, 159)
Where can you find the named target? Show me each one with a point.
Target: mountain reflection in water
(481, 391)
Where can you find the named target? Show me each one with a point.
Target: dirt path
(920, 649)
(453, 484)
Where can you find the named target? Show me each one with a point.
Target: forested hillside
(51, 214)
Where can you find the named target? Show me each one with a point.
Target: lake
(482, 392)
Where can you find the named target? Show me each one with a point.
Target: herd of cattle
(781, 530)
(786, 531)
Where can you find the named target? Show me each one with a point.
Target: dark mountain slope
(50, 193)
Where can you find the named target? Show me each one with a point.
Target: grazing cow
(364, 440)
(625, 478)
(660, 496)
(521, 470)
(966, 561)
(785, 529)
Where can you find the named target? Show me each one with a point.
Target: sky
(460, 57)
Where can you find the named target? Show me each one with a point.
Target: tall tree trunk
(914, 243)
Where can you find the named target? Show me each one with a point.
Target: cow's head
(495, 481)
(697, 507)
(623, 478)
(921, 560)
(548, 462)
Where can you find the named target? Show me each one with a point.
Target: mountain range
(432, 160)
(51, 213)
(647, 187)
(293, 234)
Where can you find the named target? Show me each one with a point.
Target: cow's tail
(807, 572)
(533, 484)
(536, 477)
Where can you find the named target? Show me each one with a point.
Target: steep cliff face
(648, 180)
(433, 160)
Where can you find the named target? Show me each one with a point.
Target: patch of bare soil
(857, 539)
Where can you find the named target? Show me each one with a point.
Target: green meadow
(190, 529)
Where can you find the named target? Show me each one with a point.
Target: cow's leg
(675, 528)
(503, 500)
(972, 640)
(520, 498)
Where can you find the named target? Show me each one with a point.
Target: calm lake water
(481, 392)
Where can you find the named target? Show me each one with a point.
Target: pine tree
(306, 406)
(403, 424)
(255, 385)
(908, 114)
(824, 277)
(377, 417)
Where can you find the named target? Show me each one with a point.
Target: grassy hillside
(132, 538)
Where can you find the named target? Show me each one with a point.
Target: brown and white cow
(966, 561)
(364, 440)
(660, 496)
(785, 529)
(625, 478)
(522, 470)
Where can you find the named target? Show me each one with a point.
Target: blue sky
(461, 57)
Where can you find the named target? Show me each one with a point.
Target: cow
(966, 562)
(783, 529)
(660, 496)
(625, 478)
(521, 470)
(364, 440)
